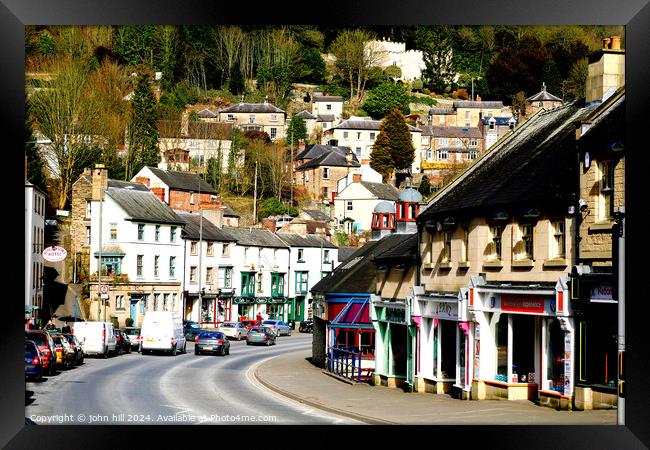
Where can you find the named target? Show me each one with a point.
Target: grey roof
(314, 151)
(325, 118)
(229, 212)
(183, 181)
(381, 190)
(206, 113)
(405, 253)
(543, 96)
(481, 104)
(451, 132)
(143, 206)
(384, 207)
(252, 108)
(255, 237)
(195, 130)
(365, 124)
(498, 120)
(316, 214)
(441, 111)
(457, 149)
(210, 232)
(410, 195)
(346, 252)
(127, 185)
(306, 114)
(296, 240)
(357, 272)
(331, 159)
(533, 167)
(327, 98)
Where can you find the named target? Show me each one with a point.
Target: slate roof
(255, 237)
(357, 272)
(316, 150)
(325, 118)
(315, 214)
(534, 166)
(206, 113)
(365, 124)
(497, 120)
(332, 158)
(442, 111)
(143, 206)
(229, 212)
(306, 114)
(482, 105)
(127, 185)
(252, 108)
(210, 232)
(405, 252)
(296, 240)
(183, 181)
(327, 98)
(346, 252)
(381, 190)
(451, 132)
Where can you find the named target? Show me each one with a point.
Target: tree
(425, 187)
(385, 97)
(236, 84)
(143, 130)
(65, 113)
(296, 130)
(133, 44)
(354, 58)
(35, 173)
(396, 130)
(393, 72)
(437, 54)
(380, 157)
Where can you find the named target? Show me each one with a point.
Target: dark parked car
(191, 329)
(33, 361)
(45, 345)
(123, 344)
(76, 346)
(261, 335)
(306, 326)
(213, 342)
(133, 334)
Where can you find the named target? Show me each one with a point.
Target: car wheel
(228, 351)
(185, 348)
(196, 352)
(174, 351)
(106, 353)
(248, 343)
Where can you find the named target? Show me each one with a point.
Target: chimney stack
(99, 182)
(606, 70)
(213, 212)
(269, 224)
(356, 178)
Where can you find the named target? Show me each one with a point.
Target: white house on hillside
(411, 62)
(34, 246)
(354, 205)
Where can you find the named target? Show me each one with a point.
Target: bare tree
(355, 55)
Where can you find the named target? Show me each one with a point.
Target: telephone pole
(255, 198)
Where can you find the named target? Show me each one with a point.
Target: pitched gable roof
(381, 191)
(193, 229)
(316, 150)
(305, 114)
(451, 132)
(297, 240)
(365, 124)
(255, 237)
(332, 159)
(183, 181)
(143, 206)
(252, 108)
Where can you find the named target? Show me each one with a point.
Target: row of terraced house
(503, 284)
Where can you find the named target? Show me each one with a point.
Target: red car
(250, 323)
(46, 346)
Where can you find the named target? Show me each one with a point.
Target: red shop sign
(516, 303)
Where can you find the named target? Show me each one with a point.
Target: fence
(346, 362)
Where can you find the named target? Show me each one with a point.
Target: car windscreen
(258, 329)
(30, 349)
(38, 338)
(228, 325)
(210, 336)
(269, 322)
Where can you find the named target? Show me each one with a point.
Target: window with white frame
(358, 152)
(527, 241)
(209, 248)
(496, 234)
(606, 200)
(157, 233)
(348, 205)
(274, 118)
(156, 266)
(113, 231)
(443, 141)
(442, 154)
(326, 256)
(193, 274)
(139, 265)
(172, 234)
(208, 275)
(372, 136)
(140, 232)
(194, 248)
(156, 302)
(225, 250)
(231, 118)
(89, 205)
(88, 235)
(345, 135)
(172, 267)
(300, 254)
(274, 133)
(472, 155)
(251, 118)
(260, 285)
(559, 239)
(473, 142)
(174, 301)
(425, 140)
(165, 302)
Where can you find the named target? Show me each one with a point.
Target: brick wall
(81, 191)
(181, 200)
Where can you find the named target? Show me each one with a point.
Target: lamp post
(619, 217)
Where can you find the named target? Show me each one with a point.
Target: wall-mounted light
(438, 226)
(500, 216)
(532, 213)
(583, 205)
(587, 160)
(571, 210)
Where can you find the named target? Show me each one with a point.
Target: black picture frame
(635, 15)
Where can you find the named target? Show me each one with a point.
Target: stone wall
(318, 342)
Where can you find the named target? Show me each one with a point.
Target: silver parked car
(279, 327)
(233, 330)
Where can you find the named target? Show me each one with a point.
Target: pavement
(293, 376)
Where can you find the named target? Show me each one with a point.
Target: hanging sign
(602, 294)
(54, 254)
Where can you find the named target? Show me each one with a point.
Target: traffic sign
(104, 296)
(103, 289)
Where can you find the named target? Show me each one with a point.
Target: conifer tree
(399, 140)
(143, 143)
(380, 157)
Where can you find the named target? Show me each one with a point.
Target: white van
(97, 338)
(162, 330)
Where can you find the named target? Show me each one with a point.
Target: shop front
(523, 341)
(392, 343)
(444, 340)
(274, 308)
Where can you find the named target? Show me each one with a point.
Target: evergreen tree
(396, 130)
(296, 130)
(236, 83)
(384, 98)
(380, 157)
(143, 144)
(425, 186)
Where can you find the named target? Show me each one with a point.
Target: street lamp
(619, 217)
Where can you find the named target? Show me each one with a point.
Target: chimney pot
(356, 178)
(606, 43)
(615, 43)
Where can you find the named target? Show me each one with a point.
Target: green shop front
(394, 342)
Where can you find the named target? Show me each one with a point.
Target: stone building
(323, 166)
(542, 100)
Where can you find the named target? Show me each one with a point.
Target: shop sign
(396, 315)
(54, 254)
(516, 303)
(602, 293)
(445, 310)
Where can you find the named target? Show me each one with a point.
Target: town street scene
(245, 225)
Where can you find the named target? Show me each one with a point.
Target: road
(161, 389)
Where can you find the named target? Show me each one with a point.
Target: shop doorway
(448, 349)
(523, 347)
(398, 349)
(555, 355)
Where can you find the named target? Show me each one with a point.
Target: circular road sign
(103, 289)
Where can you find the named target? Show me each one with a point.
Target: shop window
(398, 349)
(462, 350)
(555, 355)
(502, 348)
(367, 343)
(598, 350)
(448, 349)
(523, 347)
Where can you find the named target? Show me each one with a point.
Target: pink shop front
(523, 341)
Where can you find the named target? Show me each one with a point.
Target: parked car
(279, 327)
(306, 326)
(45, 345)
(191, 329)
(33, 361)
(260, 335)
(65, 355)
(77, 347)
(163, 330)
(233, 330)
(133, 335)
(97, 338)
(123, 344)
(212, 341)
